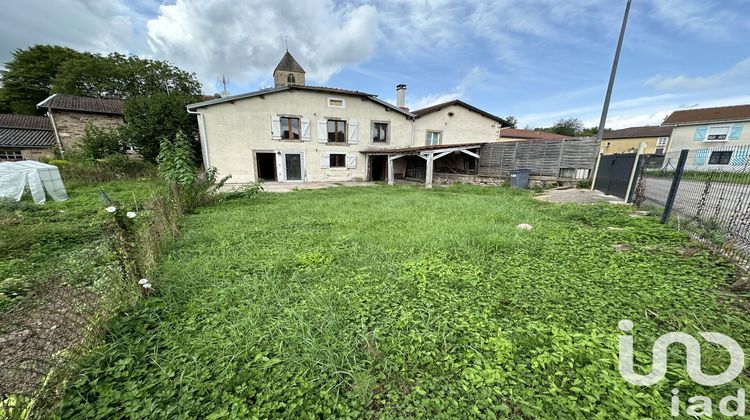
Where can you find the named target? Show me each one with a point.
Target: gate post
(675, 186)
(596, 170)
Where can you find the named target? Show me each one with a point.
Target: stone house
(70, 115)
(299, 133)
(24, 137)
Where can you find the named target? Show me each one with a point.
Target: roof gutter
(202, 136)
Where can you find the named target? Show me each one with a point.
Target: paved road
(727, 204)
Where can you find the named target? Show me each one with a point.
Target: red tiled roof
(704, 115)
(517, 133)
(83, 104)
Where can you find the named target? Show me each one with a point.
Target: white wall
(233, 131)
(683, 137)
(464, 126)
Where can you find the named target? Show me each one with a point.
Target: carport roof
(418, 149)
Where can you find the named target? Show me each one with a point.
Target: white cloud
(244, 40)
(473, 78)
(705, 19)
(738, 75)
(98, 26)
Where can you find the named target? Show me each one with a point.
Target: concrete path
(580, 196)
(291, 186)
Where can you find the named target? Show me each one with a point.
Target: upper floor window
(718, 133)
(289, 128)
(662, 141)
(336, 103)
(291, 79)
(336, 131)
(379, 132)
(434, 138)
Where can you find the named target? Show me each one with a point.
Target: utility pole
(605, 108)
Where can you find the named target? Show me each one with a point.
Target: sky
(538, 60)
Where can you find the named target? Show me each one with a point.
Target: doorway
(293, 166)
(378, 168)
(266, 163)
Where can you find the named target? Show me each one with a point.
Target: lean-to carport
(429, 153)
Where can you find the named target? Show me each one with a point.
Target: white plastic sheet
(41, 178)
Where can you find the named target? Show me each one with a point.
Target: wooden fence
(574, 158)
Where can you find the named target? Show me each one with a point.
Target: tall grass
(383, 301)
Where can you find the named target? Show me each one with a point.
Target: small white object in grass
(524, 226)
(111, 209)
(142, 281)
(147, 286)
(130, 214)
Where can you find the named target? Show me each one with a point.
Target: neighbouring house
(516, 134)
(628, 140)
(719, 137)
(71, 114)
(298, 133)
(25, 137)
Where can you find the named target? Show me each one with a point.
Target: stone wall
(534, 181)
(71, 125)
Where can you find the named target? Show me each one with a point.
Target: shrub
(202, 192)
(110, 168)
(99, 142)
(584, 184)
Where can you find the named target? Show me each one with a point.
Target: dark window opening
(720, 158)
(11, 155)
(266, 166)
(291, 78)
(336, 131)
(290, 128)
(337, 160)
(379, 132)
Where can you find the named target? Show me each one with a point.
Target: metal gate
(613, 175)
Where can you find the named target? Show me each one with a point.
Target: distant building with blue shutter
(719, 137)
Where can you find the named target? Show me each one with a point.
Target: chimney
(401, 96)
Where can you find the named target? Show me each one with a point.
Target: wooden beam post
(391, 178)
(428, 175)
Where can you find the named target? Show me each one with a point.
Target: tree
(148, 119)
(122, 76)
(567, 127)
(27, 78)
(512, 121)
(589, 132)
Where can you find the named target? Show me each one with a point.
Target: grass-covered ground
(61, 242)
(382, 301)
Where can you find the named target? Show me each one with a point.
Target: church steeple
(288, 72)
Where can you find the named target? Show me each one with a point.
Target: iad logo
(693, 351)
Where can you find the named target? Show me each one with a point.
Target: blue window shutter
(701, 157)
(735, 132)
(739, 157)
(700, 133)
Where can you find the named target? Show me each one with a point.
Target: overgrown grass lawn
(389, 302)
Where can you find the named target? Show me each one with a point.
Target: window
(11, 155)
(337, 160)
(720, 158)
(291, 78)
(289, 128)
(335, 103)
(433, 137)
(717, 133)
(336, 131)
(662, 141)
(659, 151)
(379, 132)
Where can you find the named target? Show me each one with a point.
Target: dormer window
(291, 79)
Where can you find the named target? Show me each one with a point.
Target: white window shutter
(322, 130)
(352, 132)
(325, 160)
(305, 123)
(351, 160)
(275, 127)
